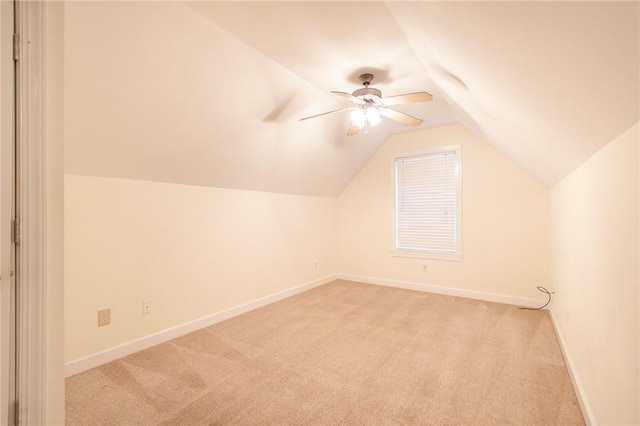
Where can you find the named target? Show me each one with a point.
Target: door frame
(40, 210)
(7, 178)
(31, 187)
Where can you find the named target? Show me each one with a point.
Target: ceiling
(211, 93)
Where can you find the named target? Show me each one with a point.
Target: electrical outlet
(146, 306)
(315, 264)
(104, 317)
(425, 268)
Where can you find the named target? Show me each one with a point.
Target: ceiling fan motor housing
(368, 93)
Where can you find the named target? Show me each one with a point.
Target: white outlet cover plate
(146, 306)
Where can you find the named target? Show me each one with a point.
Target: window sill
(423, 255)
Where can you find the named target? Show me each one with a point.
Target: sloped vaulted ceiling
(210, 93)
(547, 83)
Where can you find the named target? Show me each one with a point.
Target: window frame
(420, 254)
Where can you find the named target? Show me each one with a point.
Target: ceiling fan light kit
(365, 115)
(369, 107)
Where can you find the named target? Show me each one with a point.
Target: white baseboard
(449, 291)
(587, 413)
(112, 354)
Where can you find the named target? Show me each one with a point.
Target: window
(428, 204)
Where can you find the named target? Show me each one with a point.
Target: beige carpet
(344, 353)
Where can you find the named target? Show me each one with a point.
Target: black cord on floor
(548, 293)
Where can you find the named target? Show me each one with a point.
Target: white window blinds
(427, 198)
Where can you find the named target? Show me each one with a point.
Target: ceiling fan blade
(350, 97)
(400, 117)
(407, 98)
(325, 113)
(353, 130)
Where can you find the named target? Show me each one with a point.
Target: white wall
(505, 221)
(193, 250)
(595, 261)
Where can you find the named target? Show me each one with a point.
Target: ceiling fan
(370, 106)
